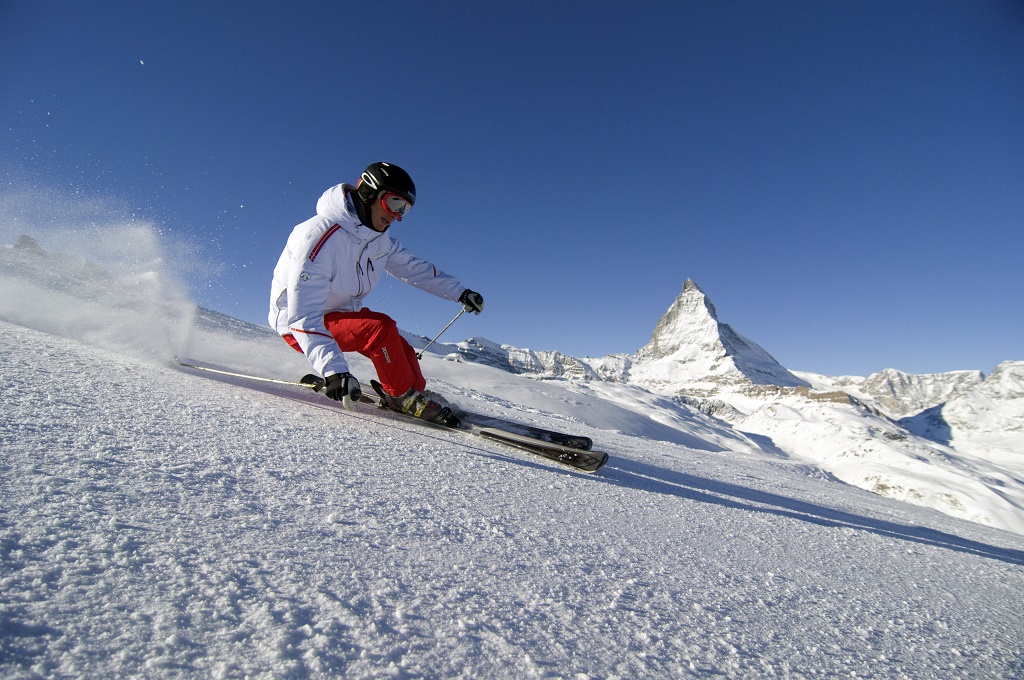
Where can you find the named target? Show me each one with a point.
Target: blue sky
(844, 178)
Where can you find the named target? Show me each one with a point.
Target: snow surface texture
(155, 522)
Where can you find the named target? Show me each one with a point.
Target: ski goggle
(394, 205)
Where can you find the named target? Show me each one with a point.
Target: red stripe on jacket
(320, 243)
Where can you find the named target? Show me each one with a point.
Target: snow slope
(165, 524)
(160, 523)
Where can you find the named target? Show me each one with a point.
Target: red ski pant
(376, 337)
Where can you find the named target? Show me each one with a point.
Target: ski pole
(312, 386)
(419, 354)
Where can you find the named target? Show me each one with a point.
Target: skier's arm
(417, 272)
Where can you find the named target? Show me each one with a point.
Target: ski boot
(425, 405)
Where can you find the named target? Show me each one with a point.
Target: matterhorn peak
(692, 317)
(690, 345)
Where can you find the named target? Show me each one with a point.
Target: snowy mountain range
(944, 440)
(157, 522)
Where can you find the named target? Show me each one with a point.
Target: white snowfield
(156, 522)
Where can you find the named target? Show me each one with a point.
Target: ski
(477, 419)
(548, 436)
(572, 450)
(579, 459)
(582, 459)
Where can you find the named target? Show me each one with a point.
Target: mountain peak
(691, 318)
(693, 342)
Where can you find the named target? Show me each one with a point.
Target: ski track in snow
(159, 523)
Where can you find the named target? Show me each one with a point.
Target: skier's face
(379, 219)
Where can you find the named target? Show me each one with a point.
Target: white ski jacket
(330, 264)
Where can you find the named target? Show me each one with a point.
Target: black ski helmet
(379, 178)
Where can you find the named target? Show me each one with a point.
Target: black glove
(473, 301)
(337, 386)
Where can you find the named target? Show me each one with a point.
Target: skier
(331, 263)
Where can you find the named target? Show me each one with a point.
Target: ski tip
(600, 463)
